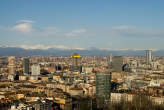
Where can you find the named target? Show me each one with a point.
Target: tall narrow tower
(11, 65)
(148, 56)
(26, 66)
(109, 59)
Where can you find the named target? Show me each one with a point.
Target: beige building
(11, 65)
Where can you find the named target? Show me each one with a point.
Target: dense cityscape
(81, 55)
(80, 82)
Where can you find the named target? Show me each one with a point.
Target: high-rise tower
(11, 65)
(103, 90)
(76, 61)
(148, 56)
(116, 64)
(26, 63)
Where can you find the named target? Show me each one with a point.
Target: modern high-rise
(109, 59)
(26, 66)
(35, 69)
(11, 65)
(76, 61)
(103, 86)
(148, 56)
(116, 64)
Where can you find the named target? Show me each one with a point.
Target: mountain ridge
(17, 51)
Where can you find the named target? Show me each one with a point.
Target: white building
(11, 77)
(35, 69)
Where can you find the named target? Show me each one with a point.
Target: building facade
(103, 90)
(26, 63)
(148, 56)
(116, 64)
(11, 65)
(35, 69)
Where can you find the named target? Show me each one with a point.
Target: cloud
(28, 27)
(45, 47)
(42, 47)
(26, 21)
(23, 28)
(76, 32)
(132, 31)
(129, 49)
(124, 27)
(50, 31)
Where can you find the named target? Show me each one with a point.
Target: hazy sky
(109, 24)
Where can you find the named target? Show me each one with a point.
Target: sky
(82, 24)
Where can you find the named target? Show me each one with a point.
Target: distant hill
(16, 51)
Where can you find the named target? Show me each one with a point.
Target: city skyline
(112, 25)
(81, 55)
